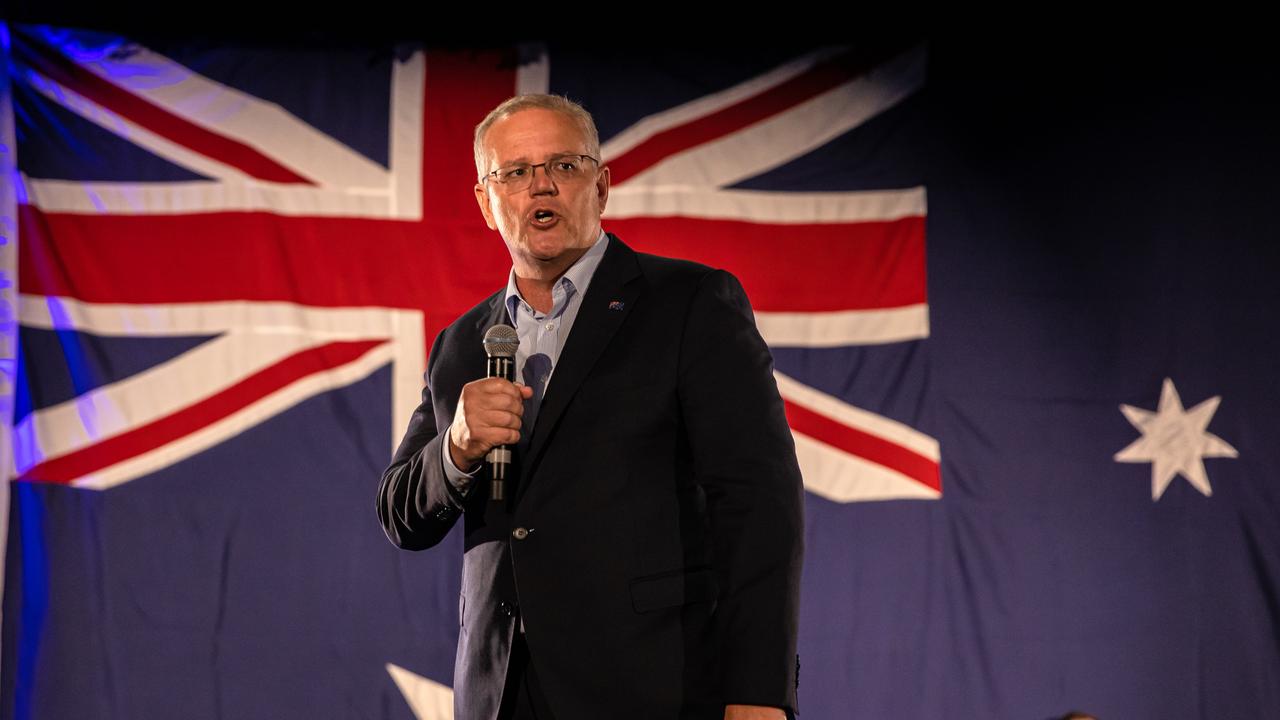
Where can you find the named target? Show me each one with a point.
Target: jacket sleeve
(417, 505)
(745, 461)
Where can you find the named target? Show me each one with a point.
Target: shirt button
(520, 533)
(550, 326)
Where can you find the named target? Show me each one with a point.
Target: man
(646, 561)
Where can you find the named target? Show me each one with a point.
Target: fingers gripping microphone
(500, 343)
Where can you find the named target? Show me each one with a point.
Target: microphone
(500, 343)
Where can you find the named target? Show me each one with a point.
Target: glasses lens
(565, 167)
(515, 174)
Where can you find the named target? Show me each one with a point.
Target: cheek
(504, 215)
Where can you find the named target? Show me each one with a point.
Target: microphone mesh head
(501, 341)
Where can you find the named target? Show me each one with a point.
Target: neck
(536, 278)
(536, 291)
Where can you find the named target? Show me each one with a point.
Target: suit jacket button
(507, 608)
(520, 533)
(444, 514)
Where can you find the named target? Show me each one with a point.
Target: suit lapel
(609, 299)
(497, 313)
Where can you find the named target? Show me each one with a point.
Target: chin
(538, 254)
(549, 247)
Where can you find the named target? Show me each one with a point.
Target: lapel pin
(616, 305)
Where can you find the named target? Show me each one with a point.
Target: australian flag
(1035, 447)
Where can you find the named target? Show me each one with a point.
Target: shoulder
(686, 282)
(667, 271)
(695, 281)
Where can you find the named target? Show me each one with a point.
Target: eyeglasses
(561, 168)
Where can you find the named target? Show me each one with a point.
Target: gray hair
(555, 103)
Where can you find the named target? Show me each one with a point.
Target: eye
(513, 173)
(567, 164)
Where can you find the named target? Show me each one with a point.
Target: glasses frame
(514, 188)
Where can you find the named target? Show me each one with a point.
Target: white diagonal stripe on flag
(706, 105)
(228, 427)
(235, 114)
(840, 477)
(253, 336)
(152, 394)
(139, 135)
(781, 138)
(393, 194)
(857, 418)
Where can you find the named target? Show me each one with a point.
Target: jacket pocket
(673, 588)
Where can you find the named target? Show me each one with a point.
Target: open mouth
(544, 218)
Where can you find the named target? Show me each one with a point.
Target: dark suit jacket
(653, 545)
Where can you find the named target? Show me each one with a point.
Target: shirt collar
(575, 280)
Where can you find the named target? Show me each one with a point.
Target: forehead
(532, 135)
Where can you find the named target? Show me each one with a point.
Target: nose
(541, 185)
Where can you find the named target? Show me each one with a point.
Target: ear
(602, 187)
(482, 199)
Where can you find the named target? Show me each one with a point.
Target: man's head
(550, 222)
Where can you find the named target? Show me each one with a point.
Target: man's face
(533, 136)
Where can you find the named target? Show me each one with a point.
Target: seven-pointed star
(1174, 441)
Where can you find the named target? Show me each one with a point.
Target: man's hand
(753, 712)
(488, 414)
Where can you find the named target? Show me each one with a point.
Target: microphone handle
(499, 457)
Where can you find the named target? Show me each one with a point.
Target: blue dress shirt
(542, 337)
